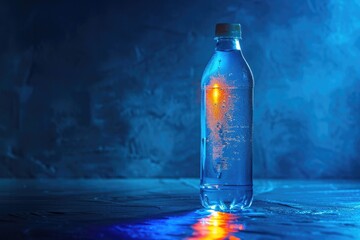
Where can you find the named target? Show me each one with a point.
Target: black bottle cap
(231, 30)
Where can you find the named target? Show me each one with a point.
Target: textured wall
(94, 89)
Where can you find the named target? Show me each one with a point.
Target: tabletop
(171, 209)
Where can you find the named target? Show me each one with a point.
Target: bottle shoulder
(231, 67)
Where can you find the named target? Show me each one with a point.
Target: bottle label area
(228, 135)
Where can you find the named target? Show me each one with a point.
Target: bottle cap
(232, 30)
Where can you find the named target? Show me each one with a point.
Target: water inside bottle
(227, 152)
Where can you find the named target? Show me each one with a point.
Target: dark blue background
(112, 88)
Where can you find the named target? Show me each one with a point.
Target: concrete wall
(94, 89)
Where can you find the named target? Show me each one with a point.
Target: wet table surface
(170, 209)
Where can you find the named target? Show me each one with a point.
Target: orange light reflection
(217, 106)
(215, 93)
(218, 225)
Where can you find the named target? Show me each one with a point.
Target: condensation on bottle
(226, 125)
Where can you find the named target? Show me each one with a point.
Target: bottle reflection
(218, 225)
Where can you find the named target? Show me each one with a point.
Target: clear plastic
(226, 129)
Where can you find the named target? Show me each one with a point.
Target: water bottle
(226, 125)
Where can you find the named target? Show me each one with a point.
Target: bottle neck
(227, 44)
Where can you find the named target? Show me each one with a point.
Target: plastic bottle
(226, 125)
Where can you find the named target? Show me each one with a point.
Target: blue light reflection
(197, 225)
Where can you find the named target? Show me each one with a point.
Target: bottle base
(226, 198)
